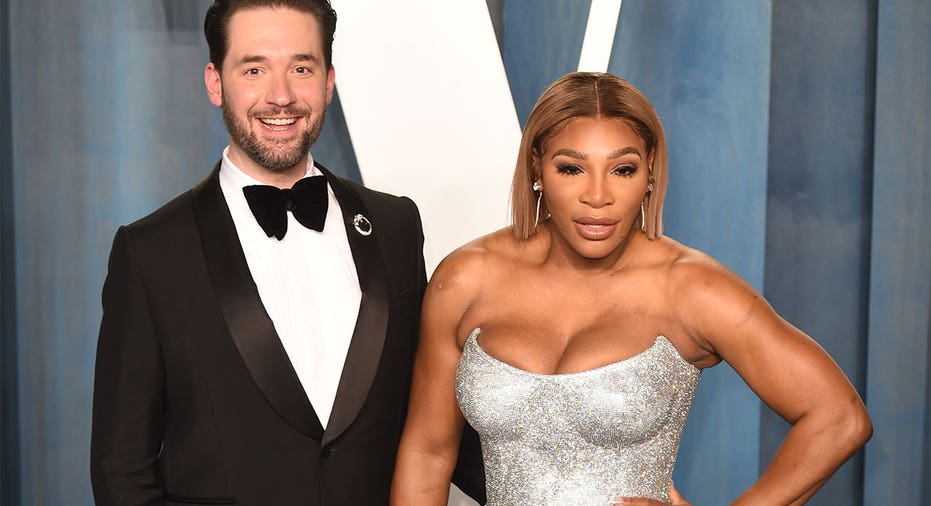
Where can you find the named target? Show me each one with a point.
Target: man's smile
(278, 124)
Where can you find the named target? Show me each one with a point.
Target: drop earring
(643, 214)
(539, 191)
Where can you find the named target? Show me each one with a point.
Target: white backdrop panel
(429, 111)
(599, 35)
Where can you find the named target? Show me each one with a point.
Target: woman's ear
(536, 171)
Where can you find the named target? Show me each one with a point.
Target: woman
(573, 340)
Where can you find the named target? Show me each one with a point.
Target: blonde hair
(595, 95)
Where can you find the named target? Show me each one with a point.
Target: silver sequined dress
(578, 439)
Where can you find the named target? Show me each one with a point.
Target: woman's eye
(626, 170)
(569, 169)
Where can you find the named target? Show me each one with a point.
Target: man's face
(273, 89)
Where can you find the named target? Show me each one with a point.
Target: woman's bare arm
(430, 443)
(789, 371)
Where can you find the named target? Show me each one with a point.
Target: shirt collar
(232, 176)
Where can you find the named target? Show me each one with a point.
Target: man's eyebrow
(257, 58)
(304, 57)
(252, 58)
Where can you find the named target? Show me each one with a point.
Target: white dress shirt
(307, 283)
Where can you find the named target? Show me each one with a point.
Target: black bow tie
(307, 200)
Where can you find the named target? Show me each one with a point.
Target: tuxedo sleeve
(129, 389)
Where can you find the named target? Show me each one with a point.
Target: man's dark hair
(217, 20)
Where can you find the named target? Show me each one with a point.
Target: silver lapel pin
(362, 224)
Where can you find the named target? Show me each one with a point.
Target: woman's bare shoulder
(471, 263)
(692, 267)
(461, 279)
(709, 296)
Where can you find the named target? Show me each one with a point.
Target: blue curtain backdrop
(799, 157)
(9, 448)
(819, 191)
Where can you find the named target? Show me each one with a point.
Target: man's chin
(279, 165)
(278, 161)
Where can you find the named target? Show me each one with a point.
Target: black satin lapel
(251, 328)
(368, 337)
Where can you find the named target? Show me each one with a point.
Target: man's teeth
(279, 122)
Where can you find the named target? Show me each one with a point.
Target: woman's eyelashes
(625, 170)
(568, 168)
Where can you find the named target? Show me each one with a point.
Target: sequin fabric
(579, 439)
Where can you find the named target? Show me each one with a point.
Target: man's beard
(277, 155)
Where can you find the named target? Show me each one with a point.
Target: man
(259, 330)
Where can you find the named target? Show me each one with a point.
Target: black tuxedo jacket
(195, 400)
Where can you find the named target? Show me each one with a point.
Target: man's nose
(280, 92)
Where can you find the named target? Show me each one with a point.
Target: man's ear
(330, 83)
(213, 84)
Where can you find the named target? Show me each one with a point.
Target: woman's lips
(595, 228)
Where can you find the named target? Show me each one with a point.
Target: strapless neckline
(579, 438)
(660, 341)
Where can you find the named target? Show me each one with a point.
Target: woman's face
(594, 174)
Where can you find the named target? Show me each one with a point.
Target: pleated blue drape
(819, 185)
(9, 447)
(898, 460)
(799, 150)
